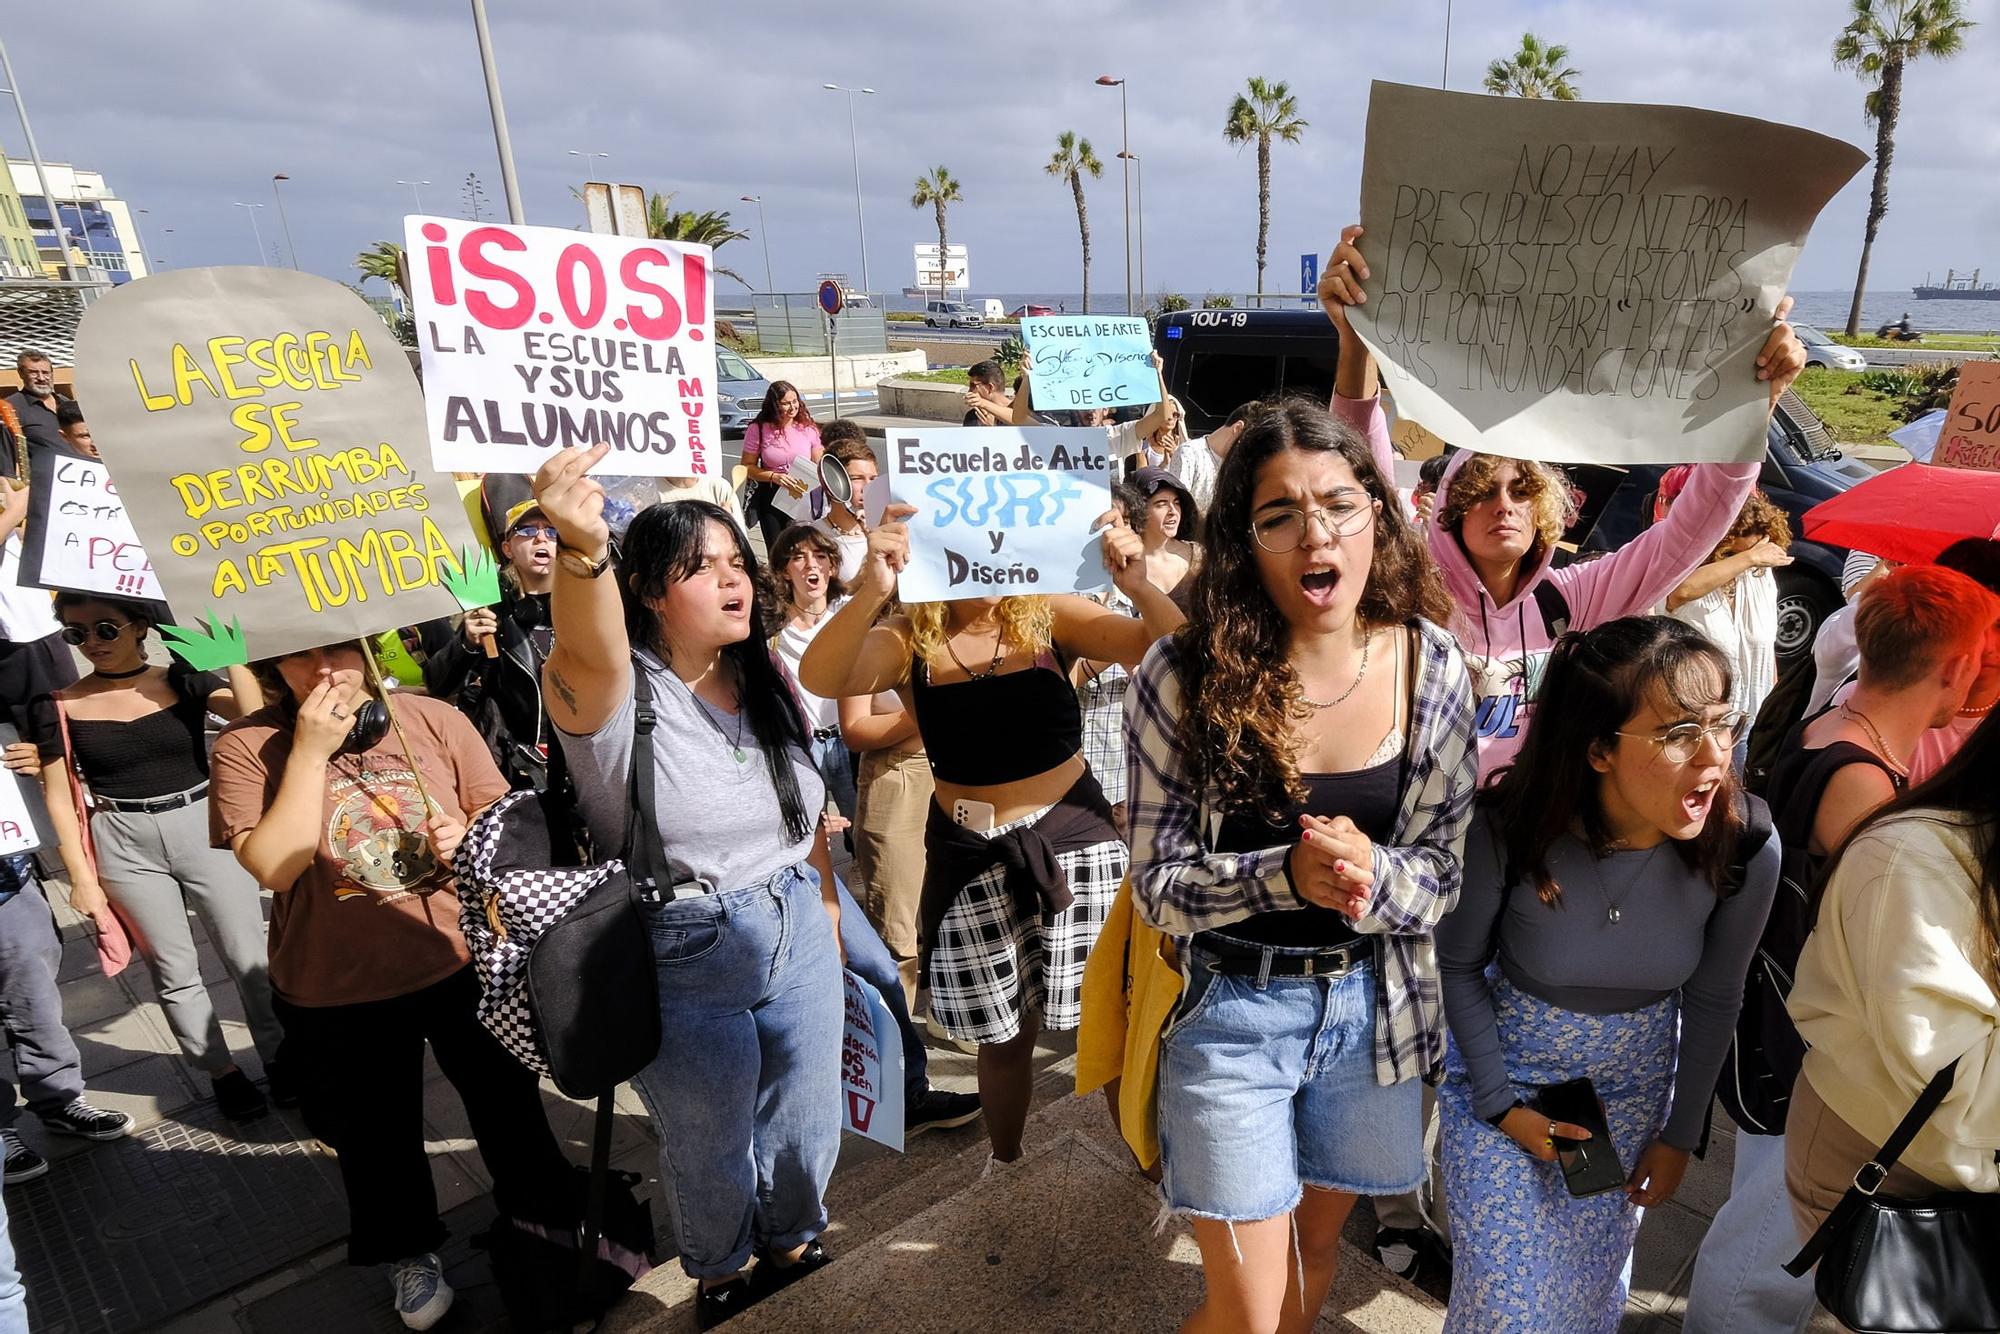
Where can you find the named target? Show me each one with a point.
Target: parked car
(1216, 360)
(951, 315)
(739, 392)
(1823, 351)
(1022, 312)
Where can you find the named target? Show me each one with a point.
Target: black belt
(825, 733)
(154, 805)
(1251, 961)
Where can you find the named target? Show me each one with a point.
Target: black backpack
(1782, 710)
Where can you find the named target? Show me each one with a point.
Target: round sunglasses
(104, 630)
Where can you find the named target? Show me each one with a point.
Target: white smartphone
(974, 815)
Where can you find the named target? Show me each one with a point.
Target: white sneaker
(422, 1295)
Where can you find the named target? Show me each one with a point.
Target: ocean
(1826, 310)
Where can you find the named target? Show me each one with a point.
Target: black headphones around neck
(371, 724)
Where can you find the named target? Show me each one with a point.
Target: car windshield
(1810, 336)
(729, 366)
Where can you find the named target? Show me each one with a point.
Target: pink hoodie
(1506, 647)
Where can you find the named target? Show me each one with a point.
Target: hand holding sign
(888, 553)
(1090, 361)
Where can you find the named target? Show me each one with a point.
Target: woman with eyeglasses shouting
(350, 814)
(1301, 767)
(1616, 882)
(127, 789)
(781, 434)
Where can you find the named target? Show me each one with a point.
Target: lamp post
(256, 231)
(1125, 152)
(589, 160)
(415, 192)
(41, 170)
(1133, 158)
(139, 236)
(1444, 79)
(161, 260)
(286, 222)
(770, 285)
(854, 147)
(502, 145)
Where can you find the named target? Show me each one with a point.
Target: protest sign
(534, 338)
(1970, 437)
(1090, 361)
(24, 817)
(79, 536)
(266, 435)
(871, 1067)
(1000, 509)
(1582, 282)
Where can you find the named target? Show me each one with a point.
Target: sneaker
(934, 1109)
(769, 1276)
(23, 1163)
(279, 1085)
(1399, 1249)
(714, 1305)
(239, 1099)
(87, 1122)
(422, 1295)
(938, 1034)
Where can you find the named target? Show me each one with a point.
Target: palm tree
(1268, 112)
(1877, 44)
(383, 260)
(938, 187)
(1073, 157)
(710, 227)
(1534, 71)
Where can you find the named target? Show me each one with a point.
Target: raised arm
(283, 843)
(1086, 629)
(1156, 415)
(589, 671)
(1722, 573)
(851, 655)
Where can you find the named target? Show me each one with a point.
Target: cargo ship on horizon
(1957, 288)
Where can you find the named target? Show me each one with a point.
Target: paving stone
(148, 1090)
(93, 998)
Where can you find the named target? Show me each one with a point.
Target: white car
(1823, 351)
(951, 315)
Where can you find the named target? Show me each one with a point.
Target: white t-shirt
(791, 643)
(715, 490)
(26, 614)
(1836, 657)
(853, 548)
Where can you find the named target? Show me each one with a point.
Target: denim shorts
(1264, 1090)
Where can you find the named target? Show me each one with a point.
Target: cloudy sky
(190, 105)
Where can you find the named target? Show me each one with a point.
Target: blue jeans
(831, 759)
(745, 1093)
(1739, 1283)
(870, 960)
(13, 1297)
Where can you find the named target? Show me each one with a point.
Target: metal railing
(790, 324)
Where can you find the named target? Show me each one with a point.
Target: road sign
(830, 297)
(615, 210)
(1309, 277)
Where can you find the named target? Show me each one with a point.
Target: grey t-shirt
(719, 819)
(1673, 934)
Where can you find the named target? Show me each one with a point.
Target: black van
(1216, 360)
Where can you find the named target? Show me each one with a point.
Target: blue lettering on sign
(1004, 500)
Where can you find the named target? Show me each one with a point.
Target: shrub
(1009, 354)
(1218, 301)
(1166, 303)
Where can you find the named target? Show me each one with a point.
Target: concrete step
(1064, 1240)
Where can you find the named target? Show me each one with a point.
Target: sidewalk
(194, 1226)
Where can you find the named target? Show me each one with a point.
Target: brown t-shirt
(375, 915)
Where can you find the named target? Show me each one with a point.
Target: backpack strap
(1549, 600)
(643, 847)
(1869, 1177)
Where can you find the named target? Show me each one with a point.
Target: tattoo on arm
(563, 689)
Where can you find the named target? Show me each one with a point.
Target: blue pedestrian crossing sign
(1308, 277)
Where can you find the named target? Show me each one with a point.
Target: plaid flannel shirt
(1182, 887)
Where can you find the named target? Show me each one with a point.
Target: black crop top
(1368, 797)
(155, 755)
(998, 729)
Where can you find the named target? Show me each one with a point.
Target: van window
(1311, 374)
(1220, 382)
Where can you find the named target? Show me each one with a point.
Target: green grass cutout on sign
(476, 581)
(208, 647)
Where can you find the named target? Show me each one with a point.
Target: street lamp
(770, 285)
(256, 231)
(161, 259)
(418, 194)
(1133, 158)
(41, 168)
(1125, 152)
(139, 236)
(1444, 79)
(854, 146)
(286, 222)
(589, 160)
(494, 104)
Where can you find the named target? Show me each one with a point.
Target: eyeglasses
(535, 530)
(1680, 742)
(1280, 531)
(105, 631)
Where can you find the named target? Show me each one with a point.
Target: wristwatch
(580, 565)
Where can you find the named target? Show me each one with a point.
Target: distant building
(97, 226)
(17, 239)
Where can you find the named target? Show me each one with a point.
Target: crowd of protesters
(1346, 824)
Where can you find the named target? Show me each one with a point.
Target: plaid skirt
(992, 961)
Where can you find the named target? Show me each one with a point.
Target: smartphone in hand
(1590, 1166)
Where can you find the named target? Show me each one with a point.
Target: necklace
(140, 670)
(1612, 912)
(1367, 642)
(1975, 713)
(702, 707)
(812, 618)
(999, 652)
(1874, 735)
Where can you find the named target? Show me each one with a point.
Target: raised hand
(888, 552)
(1340, 282)
(325, 718)
(1783, 356)
(573, 500)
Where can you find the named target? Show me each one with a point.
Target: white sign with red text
(86, 541)
(871, 1067)
(534, 338)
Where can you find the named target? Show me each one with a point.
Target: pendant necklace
(999, 652)
(703, 707)
(1367, 642)
(1612, 912)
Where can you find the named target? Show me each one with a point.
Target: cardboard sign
(1582, 282)
(871, 1067)
(535, 338)
(24, 816)
(1970, 437)
(1090, 361)
(79, 536)
(1000, 509)
(267, 439)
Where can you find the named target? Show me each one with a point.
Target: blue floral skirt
(1526, 1255)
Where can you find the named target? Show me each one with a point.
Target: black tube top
(998, 729)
